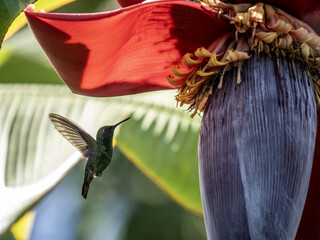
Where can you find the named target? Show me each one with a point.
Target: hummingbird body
(98, 152)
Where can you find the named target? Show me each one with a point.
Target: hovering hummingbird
(98, 152)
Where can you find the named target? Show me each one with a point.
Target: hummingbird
(98, 152)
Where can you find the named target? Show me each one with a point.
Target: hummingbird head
(109, 129)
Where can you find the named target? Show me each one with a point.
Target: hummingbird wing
(74, 134)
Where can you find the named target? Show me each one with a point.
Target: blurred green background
(124, 204)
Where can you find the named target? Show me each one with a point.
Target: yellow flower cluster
(259, 28)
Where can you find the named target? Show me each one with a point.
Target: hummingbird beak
(121, 122)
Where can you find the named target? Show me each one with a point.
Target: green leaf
(30, 71)
(160, 140)
(9, 10)
(47, 5)
(32, 157)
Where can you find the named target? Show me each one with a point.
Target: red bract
(132, 49)
(126, 51)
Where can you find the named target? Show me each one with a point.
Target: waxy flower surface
(135, 54)
(251, 67)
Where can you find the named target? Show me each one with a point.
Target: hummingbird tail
(86, 184)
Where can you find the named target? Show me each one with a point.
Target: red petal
(126, 51)
(306, 10)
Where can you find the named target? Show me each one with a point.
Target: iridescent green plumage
(98, 152)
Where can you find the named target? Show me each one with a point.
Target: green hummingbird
(97, 152)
